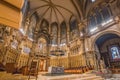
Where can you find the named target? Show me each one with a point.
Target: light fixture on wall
(93, 0)
(57, 52)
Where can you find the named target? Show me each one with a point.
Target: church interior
(59, 39)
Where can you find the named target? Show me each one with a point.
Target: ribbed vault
(53, 10)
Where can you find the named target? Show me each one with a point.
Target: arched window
(106, 13)
(32, 26)
(73, 28)
(54, 33)
(44, 25)
(92, 22)
(115, 53)
(99, 17)
(63, 32)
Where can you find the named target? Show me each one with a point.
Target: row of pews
(115, 70)
(78, 70)
(10, 68)
(115, 67)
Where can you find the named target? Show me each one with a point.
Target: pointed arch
(63, 32)
(44, 25)
(54, 33)
(73, 28)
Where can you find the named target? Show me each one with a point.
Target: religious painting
(115, 53)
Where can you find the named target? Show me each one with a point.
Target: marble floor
(42, 76)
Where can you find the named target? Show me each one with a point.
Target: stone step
(9, 76)
(89, 78)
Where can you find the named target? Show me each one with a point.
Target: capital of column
(82, 24)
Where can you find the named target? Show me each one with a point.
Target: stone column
(96, 65)
(82, 26)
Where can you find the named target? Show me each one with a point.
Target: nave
(59, 39)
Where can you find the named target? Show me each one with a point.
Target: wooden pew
(78, 70)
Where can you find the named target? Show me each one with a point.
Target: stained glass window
(54, 31)
(63, 32)
(92, 22)
(115, 52)
(44, 25)
(105, 13)
(73, 28)
(32, 26)
(98, 17)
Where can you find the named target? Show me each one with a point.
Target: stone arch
(99, 35)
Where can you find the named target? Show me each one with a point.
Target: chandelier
(57, 52)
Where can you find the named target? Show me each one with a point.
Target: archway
(108, 50)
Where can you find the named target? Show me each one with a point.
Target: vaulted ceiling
(62, 10)
(54, 10)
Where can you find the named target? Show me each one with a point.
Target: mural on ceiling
(44, 25)
(32, 26)
(63, 32)
(54, 32)
(73, 28)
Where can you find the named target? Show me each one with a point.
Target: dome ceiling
(54, 10)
